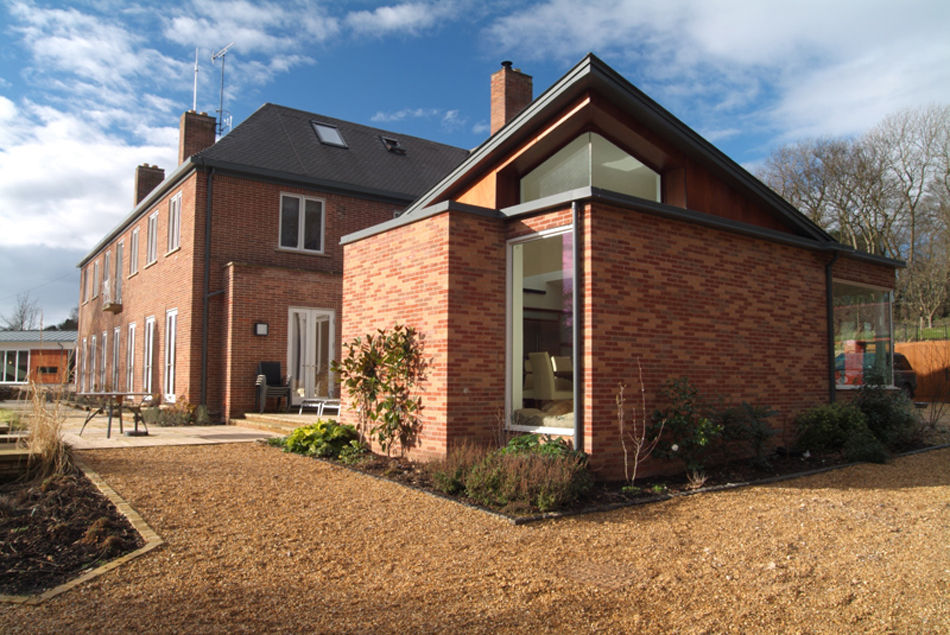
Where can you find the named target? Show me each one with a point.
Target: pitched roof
(281, 142)
(591, 73)
(38, 336)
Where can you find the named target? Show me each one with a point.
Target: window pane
(615, 170)
(289, 221)
(567, 169)
(542, 338)
(863, 349)
(313, 226)
(23, 365)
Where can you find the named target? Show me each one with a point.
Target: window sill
(171, 251)
(302, 252)
(133, 274)
(150, 264)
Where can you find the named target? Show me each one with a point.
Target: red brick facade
(250, 280)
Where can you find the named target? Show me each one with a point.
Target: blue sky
(89, 90)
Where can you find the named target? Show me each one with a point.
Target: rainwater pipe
(829, 299)
(577, 331)
(206, 291)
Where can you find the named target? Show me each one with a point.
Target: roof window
(329, 135)
(392, 145)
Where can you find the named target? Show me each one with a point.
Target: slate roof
(38, 336)
(281, 142)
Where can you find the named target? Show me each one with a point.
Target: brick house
(593, 229)
(41, 357)
(234, 258)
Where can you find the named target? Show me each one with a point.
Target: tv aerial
(221, 114)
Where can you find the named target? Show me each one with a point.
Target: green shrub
(889, 414)
(748, 426)
(448, 474)
(530, 480)
(324, 438)
(688, 432)
(864, 446)
(546, 445)
(352, 453)
(826, 428)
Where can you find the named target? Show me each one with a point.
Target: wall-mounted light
(260, 328)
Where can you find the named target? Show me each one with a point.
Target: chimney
(510, 93)
(195, 133)
(147, 178)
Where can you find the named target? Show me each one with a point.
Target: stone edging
(151, 538)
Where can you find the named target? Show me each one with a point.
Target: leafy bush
(748, 425)
(546, 445)
(528, 480)
(864, 446)
(889, 414)
(351, 453)
(826, 428)
(324, 438)
(379, 372)
(688, 432)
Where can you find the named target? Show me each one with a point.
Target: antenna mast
(215, 56)
(194, 93)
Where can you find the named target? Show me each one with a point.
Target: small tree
(641, 444)
(379, 371)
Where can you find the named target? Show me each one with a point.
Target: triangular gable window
(591, 160)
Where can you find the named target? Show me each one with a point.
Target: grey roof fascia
(38, 336)
(428, 212)
(289, 177)
(144, 205)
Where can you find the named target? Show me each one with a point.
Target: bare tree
(26, 314)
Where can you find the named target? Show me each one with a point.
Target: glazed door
(310, 350)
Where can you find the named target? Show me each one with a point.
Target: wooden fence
(931, 361)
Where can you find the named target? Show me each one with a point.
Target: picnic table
(112, 403)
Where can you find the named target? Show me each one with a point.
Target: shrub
(448, 474)
(546, 445)
(826, 428)
(324, 438)
(528, 480)
(889, 414)
(864, 446)
(688, 432)
(748, 425)
(380, 372)
(351, 453)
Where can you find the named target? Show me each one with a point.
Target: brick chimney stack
(195, 133)
(510, 93)
(147, 178)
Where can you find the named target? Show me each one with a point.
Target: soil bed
(51, 530)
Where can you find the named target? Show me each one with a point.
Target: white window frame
(92, 365)
(84, 292)
(151, 238)
(148, 349)
(510, 302)
(171, 335)
(301, 216)
(119, 249)
(95, 279)
(174, 223)
(134, 252)
(116, 342)
(130, 359)
(106, 277)
(84, 369)
(16, 355)
(105, 360)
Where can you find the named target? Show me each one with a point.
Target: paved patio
(94, 436)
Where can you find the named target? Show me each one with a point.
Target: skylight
(330, 135)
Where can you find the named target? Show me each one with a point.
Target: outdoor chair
(270, 384)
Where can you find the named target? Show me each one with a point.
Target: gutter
(830, 310)
(206, 291)
(577, 331)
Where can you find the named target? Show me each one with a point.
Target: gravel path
(261, 541)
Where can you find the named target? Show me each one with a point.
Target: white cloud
(406, 113)
(406, 18)
(801, 67)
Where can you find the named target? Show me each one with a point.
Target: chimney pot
(511, 91)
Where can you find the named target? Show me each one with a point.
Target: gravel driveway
(261, 541)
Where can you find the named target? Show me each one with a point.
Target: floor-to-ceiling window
(540, 339)
(863, 335)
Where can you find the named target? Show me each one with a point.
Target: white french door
(310, 348)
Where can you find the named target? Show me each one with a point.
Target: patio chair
(271, 384)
